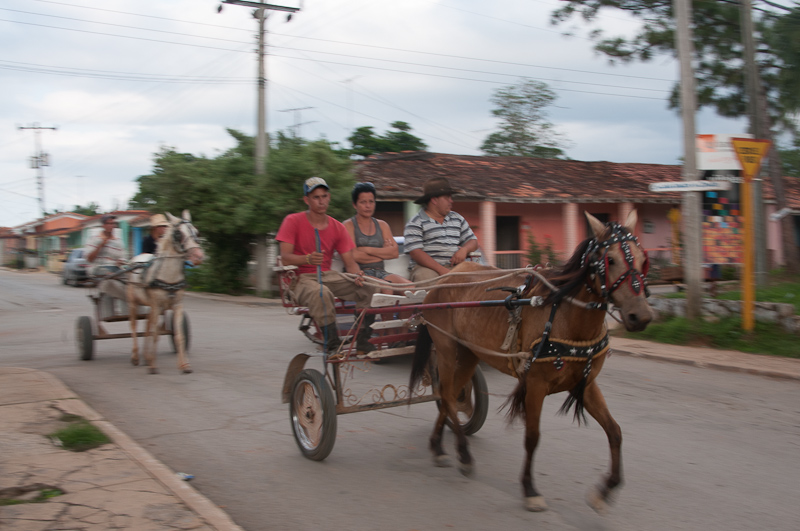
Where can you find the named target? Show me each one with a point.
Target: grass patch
(42, 497)
(727, 334)
(80, 435)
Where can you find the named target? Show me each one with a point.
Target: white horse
(160, 285)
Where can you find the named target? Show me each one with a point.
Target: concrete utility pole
(263, 257)
(691, 200)
(39, 160)
(261, 14)
(757, 129)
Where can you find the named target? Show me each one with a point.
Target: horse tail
(422, 355)
(575, 398)
(516, 400)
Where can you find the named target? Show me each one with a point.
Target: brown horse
(560, 337)
(160, 286)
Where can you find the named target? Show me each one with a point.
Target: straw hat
(158, 220)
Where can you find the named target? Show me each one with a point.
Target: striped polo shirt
(439, 240)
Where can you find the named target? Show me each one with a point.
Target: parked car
(76, 268)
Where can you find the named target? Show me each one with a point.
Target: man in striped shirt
(436, 239)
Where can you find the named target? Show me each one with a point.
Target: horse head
(618, 270)
(185, 237)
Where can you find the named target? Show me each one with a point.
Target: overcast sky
(122, 78)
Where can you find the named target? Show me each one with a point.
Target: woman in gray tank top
(373, 237)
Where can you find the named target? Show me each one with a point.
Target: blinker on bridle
(636, 280)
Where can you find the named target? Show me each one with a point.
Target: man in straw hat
(298, 247)
(436, 239)
(158, 226)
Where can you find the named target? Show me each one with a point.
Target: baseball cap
(312, 183)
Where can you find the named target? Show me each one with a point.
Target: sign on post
(689, 186)
(750, 152)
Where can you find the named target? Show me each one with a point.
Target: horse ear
(172, 219)
(186, 216)
(597, 226)
(630, 223)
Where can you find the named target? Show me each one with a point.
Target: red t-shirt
(297, 230)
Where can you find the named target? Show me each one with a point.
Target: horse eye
(610, 260)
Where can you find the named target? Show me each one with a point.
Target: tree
(230, 205)
(366, 143)
(524, 129)
(719, 67)
(89, 210)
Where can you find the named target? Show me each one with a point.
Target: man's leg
(421, 274)
(347, 290)
(306, 292)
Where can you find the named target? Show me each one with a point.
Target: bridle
(596, 259)
(178, 239)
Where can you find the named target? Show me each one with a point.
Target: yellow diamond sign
(750, 152)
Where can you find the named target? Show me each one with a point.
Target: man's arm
(462, 253)
(289, 258)
(96, 244)
(351, 266)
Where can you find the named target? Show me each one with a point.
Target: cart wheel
(84, 338)
(186, 332)
(313, 415)
(473, 404)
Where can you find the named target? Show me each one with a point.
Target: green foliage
(44, 495)
(524, 129)
(767, 338)
(231, 205)
(92, 209)
(718, 47)
(80, 435)
(366, 143)
(540, 255)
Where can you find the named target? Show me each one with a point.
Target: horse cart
(316, 398)
(549, 333)
(108, 310)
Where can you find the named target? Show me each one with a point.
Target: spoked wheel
(313, 415)
(84, 338)
(473, 404)
(186, 331)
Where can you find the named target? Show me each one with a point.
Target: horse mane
(570, 276)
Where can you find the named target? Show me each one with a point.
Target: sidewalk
(115, 486)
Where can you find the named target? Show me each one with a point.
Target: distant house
(509, 200)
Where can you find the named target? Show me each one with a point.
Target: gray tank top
(362, 240)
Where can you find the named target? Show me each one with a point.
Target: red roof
(400, 176)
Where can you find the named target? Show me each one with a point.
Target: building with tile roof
(509, 200)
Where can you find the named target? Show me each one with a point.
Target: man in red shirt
(298, 247)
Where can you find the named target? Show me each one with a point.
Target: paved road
(703, 449)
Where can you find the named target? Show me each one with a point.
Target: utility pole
(350, 102)
(264, 253)
(757, 129)
(261, 13)
(691, 200)
(39, 160)
(297, 124)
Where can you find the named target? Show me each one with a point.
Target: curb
(194, 500)
(709, 364)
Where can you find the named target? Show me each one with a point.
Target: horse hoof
(186, 370)
(597, 501)
(466, 469)
(152, 370)
(442, 461)
(135, 362)
(535, 504)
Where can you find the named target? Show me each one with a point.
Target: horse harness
(545, 349)
(155, 263)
